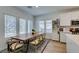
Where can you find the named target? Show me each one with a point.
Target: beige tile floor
(55, 47)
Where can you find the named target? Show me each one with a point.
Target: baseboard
(3, 50)
(63, 42)
(59, 41)
(55, 40)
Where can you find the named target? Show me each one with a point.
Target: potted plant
(33, 31)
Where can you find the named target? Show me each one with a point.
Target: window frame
(6, 36)
(25, 26)
(43, 26)
(48, 28)
(31, 26)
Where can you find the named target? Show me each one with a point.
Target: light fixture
(36, 6)
(32, 6)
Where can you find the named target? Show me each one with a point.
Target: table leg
(27, 45)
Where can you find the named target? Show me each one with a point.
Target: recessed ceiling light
(36, 6)
(32, 6)
(29, 6)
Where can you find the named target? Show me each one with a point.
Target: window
(30, 26)
(10, 26)
(48, 26)
(41, 26)
(22, 26)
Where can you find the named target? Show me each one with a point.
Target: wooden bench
(15, 45)
(19, 42)
(36, 43)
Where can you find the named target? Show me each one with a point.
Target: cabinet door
(53, 36)
(72, 47)
(62, 37)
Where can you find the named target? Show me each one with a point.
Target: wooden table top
(26, 36)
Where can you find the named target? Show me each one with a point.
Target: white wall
(52, 35)
(44, 17)
(65, 18)
(47, 16)
(10, 11)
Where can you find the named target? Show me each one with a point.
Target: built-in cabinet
(72, 43)
(62, 37)
(71, 40)
(53, 36)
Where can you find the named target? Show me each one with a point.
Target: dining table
(26, 38)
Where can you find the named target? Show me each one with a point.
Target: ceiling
(40, 10)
